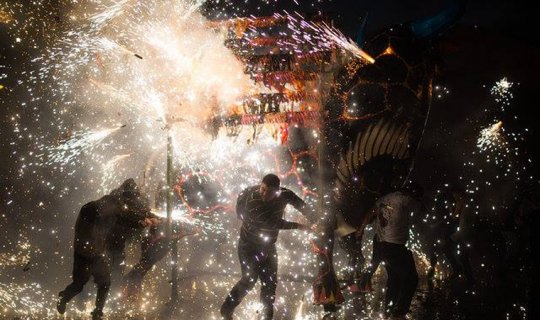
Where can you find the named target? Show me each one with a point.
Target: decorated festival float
(367, 115)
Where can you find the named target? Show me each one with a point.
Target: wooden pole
(173, 244)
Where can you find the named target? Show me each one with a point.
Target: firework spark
(502, 93)
(318, 37)
(491, 138)
(68, 151)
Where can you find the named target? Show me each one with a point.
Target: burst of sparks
(502, 93)
(318, 37)
(152, 66)
(68, 151)
(491, 138)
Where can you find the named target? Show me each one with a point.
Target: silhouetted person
(94, 223)
(261, 209)
(392, 224)
(121, 233)
(154, 247)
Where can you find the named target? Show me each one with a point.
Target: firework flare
(491, 137)
(502, 93)
(153, 67)
(68, 151)
(318, 37)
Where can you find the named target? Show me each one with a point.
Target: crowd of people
(101, 231)
(103, 227)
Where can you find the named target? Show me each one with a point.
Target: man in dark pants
(122, 233)
(392, 232)
(261, 209)
(154, 247)
(96, 219)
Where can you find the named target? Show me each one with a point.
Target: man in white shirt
(393, 212)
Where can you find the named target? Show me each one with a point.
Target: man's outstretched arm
(274, 224)
(300, 205)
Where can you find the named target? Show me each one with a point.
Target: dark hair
(271, 181)
(130, 189)
(129, 185)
